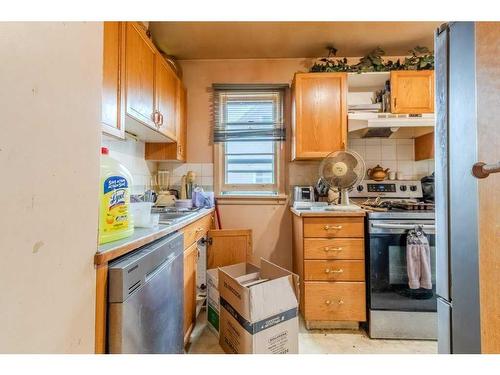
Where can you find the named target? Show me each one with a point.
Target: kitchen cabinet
(329, 257)
(190, 265)
(192, 234)
(167, 86)
(113, 114)
(229, 246)
(319, 114)
(412, 91)
(175, 151)
(140, 76)
(424, 147)
(152, 89)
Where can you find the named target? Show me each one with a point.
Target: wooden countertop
(141, 237)
(322, 213)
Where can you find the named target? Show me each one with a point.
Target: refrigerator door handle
(483, 170)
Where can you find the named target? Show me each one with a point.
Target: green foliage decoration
(420, 58)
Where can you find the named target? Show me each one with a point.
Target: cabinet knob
(337, 227)
(341, 302)
(327, 302)
(332, 249)
(340, 270)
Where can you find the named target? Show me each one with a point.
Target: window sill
(251, 199)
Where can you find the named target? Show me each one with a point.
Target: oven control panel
(403, 189)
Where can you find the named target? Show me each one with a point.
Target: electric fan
(341, 171)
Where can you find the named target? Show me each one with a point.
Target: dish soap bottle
(115, 220)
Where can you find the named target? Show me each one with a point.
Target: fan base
(343, 207)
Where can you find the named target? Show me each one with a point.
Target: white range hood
(372, 124)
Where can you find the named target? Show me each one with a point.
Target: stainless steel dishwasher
(146, 299)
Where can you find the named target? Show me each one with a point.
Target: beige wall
(271, 224)
(50, 82)
(199, 75)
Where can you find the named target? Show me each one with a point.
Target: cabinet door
(229, 246)
(182, 124)
(320, 118)
(140, 75)
(190, 261)
(412, 91)
(177, 150)
(167, 85)
(112, 82)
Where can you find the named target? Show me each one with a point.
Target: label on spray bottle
(115, 201)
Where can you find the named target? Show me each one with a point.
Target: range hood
(383, 125)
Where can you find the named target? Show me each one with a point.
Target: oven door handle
(403, 226)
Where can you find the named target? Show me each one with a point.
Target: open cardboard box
(258, 309)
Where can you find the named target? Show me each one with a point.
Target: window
(249, 135)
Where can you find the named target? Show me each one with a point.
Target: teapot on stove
(377, 173)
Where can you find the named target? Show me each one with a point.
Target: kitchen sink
(173, 215)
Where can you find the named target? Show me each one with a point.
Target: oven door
(389, 289)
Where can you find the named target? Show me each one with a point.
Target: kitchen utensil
(183, 193)
(190, 179)
(165, 198)
(392, 175)
(399, 176)
(377, 173)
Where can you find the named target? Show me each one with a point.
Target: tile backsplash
(396, 154)
(130, 153)
(204, 173)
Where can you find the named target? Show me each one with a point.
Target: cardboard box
(258, 309)
(213, 305)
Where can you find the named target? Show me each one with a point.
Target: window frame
(259, 191)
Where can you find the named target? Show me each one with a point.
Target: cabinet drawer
(335, 248)
(325, 227)
(335, 301)
(334, 270)
(194, 231)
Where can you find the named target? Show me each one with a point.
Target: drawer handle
(337, 227)
(340, 302)
(340, 270)
(200, 229)
(332, 248)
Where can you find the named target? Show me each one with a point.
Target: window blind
(248, 113)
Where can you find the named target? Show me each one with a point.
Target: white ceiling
(237, 40)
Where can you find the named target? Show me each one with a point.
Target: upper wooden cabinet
(113, 121)
(412, 91)
(319, 114)
(173, 151)
(140, 76)
(167, 86)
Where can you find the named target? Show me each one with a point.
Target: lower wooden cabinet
(329, 257)
(334, 270)
(338, 301)
(190, 266)
(225, 246)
